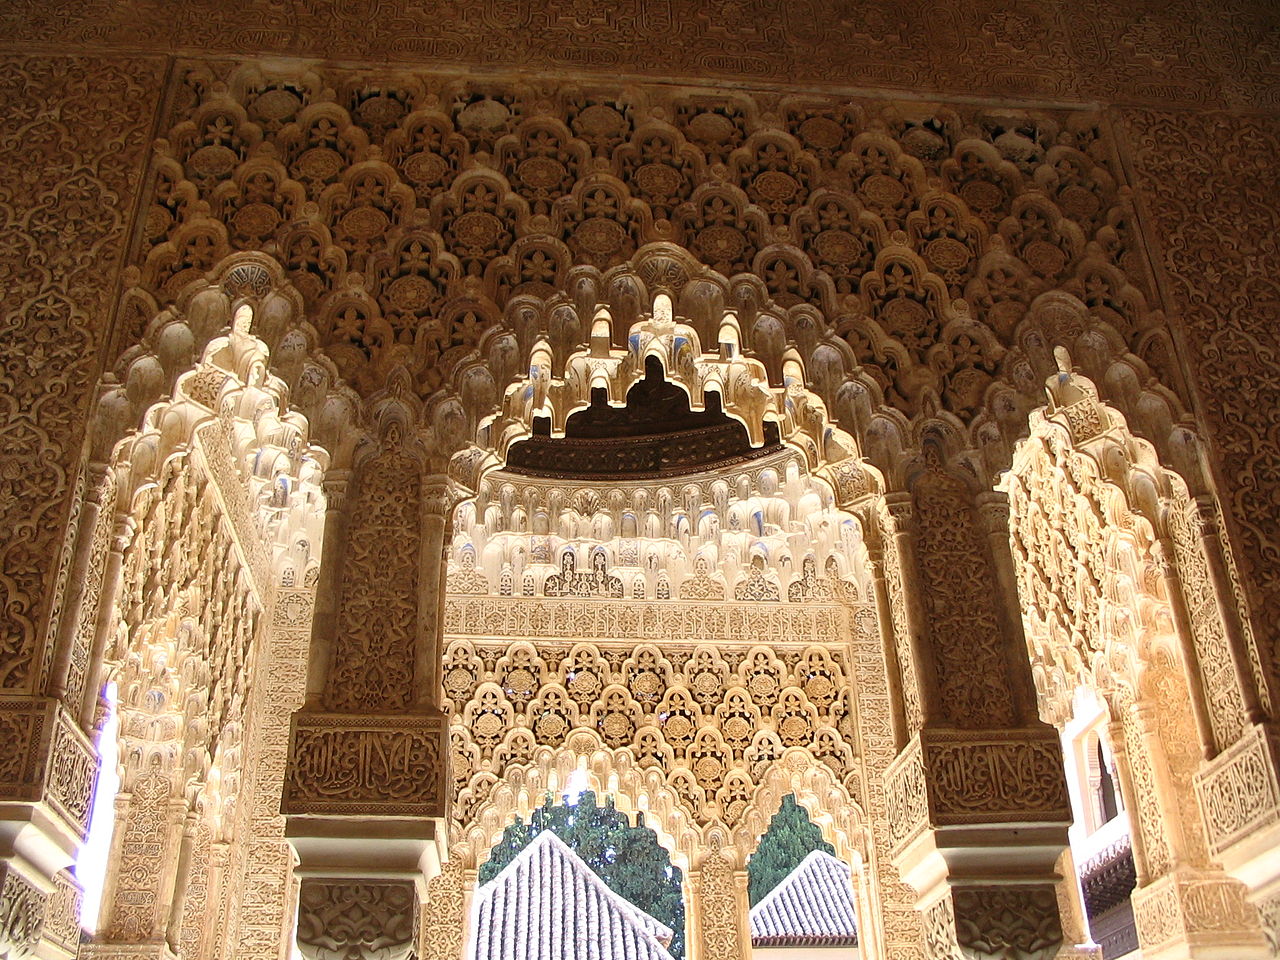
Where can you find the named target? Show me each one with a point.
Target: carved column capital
(1019, 920)
(982, 922)
(335, 490)
(901, 512)
(357, 919)
(122, 533)
(439, 495)
(993, 512)
(875, 561)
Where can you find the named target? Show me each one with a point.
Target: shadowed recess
(655, 434)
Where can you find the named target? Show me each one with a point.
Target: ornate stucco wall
(1179, 103)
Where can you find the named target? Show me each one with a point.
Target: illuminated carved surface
(215, 471)
(675, 702)
(403, 219)
(689, 539)
(1099, 584)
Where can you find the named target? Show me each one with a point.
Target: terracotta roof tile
(547, 904)
(812, 906)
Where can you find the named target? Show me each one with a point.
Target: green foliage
(628, 859)
(791, 837)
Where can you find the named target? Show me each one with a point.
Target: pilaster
(719, 914)
(365, 788)
(977, 799)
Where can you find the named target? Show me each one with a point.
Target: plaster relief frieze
(1231, 347)
(1103, 50)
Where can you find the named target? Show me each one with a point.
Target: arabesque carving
(409, 268)
(1119, 600)
(340, 919)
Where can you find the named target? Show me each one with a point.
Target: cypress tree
(791, 837)
(629, 859)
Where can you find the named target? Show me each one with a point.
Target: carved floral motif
(339, 919)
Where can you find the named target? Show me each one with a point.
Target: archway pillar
(44, 811)
(1239, 788)
(365, 797)
(718, 907)
(1239, 794)
(151, 816)
(978, 822)
(51, 763)
(444, 915)
(1183, 907)
(977, 799)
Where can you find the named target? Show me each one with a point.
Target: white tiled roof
(547, 904)
(812, 906)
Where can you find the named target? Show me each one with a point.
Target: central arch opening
(653, 587)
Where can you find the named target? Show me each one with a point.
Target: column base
(44, 813)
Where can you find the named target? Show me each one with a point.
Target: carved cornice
(1103, 50)
(958, 778)
(671, 620)
(351, 765)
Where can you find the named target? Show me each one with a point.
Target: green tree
(791, 837)
(629, 859)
